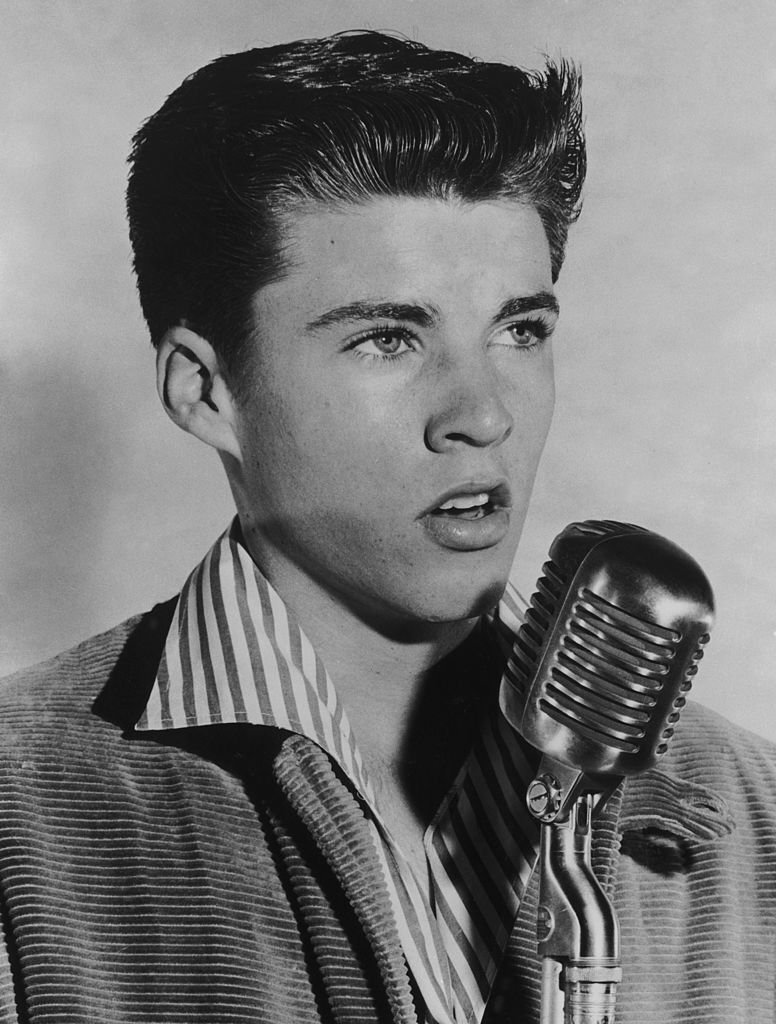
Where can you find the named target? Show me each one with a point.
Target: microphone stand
(577, 932)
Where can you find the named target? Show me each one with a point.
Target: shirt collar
(235, 653)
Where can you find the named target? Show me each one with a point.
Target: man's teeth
(465, 501)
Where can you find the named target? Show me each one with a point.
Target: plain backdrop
(666, 383)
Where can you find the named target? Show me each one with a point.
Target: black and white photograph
(387, 512)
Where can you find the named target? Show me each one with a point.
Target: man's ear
(193, 390)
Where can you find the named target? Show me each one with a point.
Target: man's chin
(470, 606)
(462, 587)
(465, 601)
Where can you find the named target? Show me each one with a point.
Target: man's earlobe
(193, 390)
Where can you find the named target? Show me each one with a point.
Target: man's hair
(253, 136)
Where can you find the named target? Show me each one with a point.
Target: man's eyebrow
(527, 304)
(424, 316)
(420, 315)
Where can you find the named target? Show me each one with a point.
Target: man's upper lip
(498, 492)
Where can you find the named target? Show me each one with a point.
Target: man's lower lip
(468, 534)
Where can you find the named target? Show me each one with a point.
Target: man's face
(404, 392)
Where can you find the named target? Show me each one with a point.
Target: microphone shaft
(577, 931)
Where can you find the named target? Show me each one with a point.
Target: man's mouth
(466, 506)
(472, 500)
(470, 517)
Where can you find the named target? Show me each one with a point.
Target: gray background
(667, 403)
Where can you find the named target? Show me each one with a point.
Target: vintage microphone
(596, 682)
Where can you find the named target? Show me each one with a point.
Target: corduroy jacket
(226, 874)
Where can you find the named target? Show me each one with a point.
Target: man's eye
(526, 334)
(385, 344)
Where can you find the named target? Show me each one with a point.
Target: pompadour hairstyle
(254, 135)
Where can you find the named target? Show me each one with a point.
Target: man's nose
(469, 408)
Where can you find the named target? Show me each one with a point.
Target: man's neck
(380, 674)
(380, 679)
(414, 707)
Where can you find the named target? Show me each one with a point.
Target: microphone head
(612, 638)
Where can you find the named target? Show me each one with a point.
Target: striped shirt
(235, 653)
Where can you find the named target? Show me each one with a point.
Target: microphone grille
(540, 614)
(610, 644)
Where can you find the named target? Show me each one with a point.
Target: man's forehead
(410, 251)
(390, 216)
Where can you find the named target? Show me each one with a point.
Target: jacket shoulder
(702, 733)
(737, 766)
(91, 658)
(57, 694)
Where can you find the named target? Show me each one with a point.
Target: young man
(288, 794)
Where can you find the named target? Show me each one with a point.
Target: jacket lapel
(332, 815)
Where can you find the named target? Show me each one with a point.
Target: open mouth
(470, 517)
(475, 501)
(466, 506)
